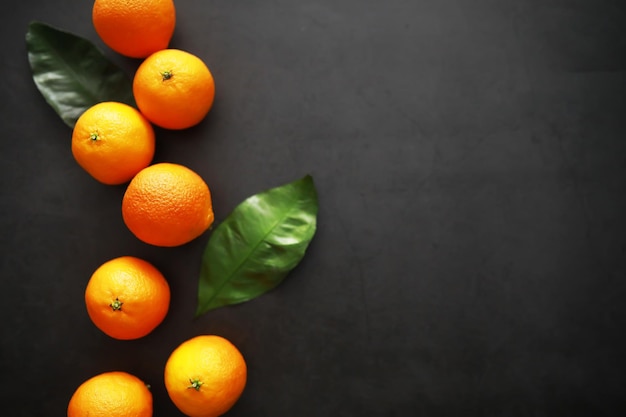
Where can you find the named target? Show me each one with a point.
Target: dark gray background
(470, 160)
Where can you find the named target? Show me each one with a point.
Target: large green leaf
(257, 245)
(72, 73)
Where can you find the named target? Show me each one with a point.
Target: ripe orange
(205, 376)
(174, 89)
(167, 205)
(134, 28)
(115, 393)
(112, 142)
(127, 297)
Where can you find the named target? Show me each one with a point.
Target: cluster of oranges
(165, 204)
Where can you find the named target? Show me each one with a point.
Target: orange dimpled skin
(205, 376)
(118, 394)
(174, 89)
(127, 298)
(135, 28)
(167, 205)
(113, 141)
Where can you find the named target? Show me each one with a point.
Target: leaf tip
(201, 310)
(306, 180)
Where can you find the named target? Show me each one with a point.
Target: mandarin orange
(174, 89)
(134, 28)
(127, 297)
(112, 141)
(167, 204)
(205, 376)
(108, 394)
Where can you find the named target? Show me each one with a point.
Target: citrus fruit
(134, 28)
(108, 394)
(167, 204)
(205, 376)
(174, 89)
(112, 141)
(127, 297)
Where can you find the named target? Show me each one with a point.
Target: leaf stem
(195, 384)
(116, 305)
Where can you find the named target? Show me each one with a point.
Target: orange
(167, 205)
(205, 376)
(112, 142)
(134, 28)
(174, 89)
(108, 394)
(127, 297)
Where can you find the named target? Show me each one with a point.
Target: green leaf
(72, 73)
(257, 245)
